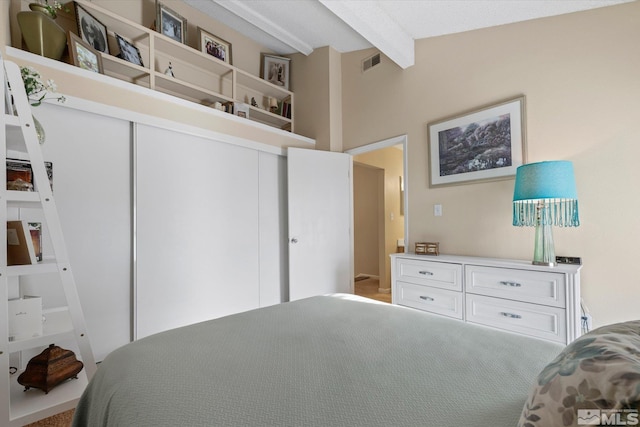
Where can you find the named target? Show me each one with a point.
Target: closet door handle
(511, 315)
(425, 273)
(426, 298)
(512, 284)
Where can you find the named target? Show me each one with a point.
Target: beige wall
(389, 159)
(368, 215)
(317, 87)
(580, 75)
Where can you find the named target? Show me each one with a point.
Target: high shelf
(64, 324)
(199, 77)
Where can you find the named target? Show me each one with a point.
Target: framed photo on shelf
(275, 69)
(214, 46)
(482, 145)
(170, 23)
(84, 56)
(90, 30)
(128, 52)
(241, 109)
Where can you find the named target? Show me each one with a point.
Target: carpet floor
(62, 419)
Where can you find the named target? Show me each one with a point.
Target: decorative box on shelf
(25, 318)
(50, 368)
(427, 248)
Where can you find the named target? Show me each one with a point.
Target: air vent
(370, 62)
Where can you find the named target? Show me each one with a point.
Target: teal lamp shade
(545, 195)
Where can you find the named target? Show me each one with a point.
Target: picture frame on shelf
(84, 56)
(170, 23)
(214, 46)
(128, 51)
(275, 69)
(241, 109)
(91, 30)
(485, 144)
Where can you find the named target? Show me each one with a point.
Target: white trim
(370, 21)
(240, 9)
(122, 113)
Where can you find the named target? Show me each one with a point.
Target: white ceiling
(289, 26)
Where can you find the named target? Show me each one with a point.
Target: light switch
(437, 210)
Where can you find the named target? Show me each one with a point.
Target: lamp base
(544, 252)
(546, 264)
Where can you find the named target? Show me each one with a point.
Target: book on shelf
(20, 175)
(20, 250)
(35, 229)
(284, 107)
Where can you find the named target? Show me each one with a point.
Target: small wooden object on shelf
(427, 248)
(50, 368)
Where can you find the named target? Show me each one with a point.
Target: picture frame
(214, 46)
(84, 56)
(128, 51)
(170, 23)
(90, 30)
(485, 144)
(275, 69)
(241, 109)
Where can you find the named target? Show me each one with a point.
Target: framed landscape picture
(481, 145)
(214, 46)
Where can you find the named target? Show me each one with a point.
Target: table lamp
(545, 195)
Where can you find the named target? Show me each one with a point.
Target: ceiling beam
(372, 23)
(240, 8)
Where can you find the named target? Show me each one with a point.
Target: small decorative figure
(169, 70)
(254, 103)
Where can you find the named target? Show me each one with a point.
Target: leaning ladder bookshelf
(63, 324)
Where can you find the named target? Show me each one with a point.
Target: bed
(334, 360)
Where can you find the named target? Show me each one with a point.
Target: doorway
(380, 213)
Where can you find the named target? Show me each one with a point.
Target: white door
(320, 218)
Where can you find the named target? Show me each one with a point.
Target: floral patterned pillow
(595, 380)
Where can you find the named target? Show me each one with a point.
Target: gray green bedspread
(323, 361)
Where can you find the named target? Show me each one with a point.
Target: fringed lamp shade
(545, 195)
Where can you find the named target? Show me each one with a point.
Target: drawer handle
(512, 284)
(426, 298)
(425, 273)
(511, 315)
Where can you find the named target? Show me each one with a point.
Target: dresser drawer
(529, 319)
(537, 287)
(439, 274)
(434, 300)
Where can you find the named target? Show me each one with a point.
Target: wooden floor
(369, 288)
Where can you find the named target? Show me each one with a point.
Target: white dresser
(514, 295)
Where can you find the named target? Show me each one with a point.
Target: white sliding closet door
(92, 187)
(197, 220)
